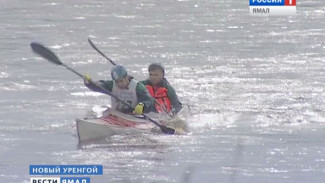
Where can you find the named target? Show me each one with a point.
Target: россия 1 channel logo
(272, 7)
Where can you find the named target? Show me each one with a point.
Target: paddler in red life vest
(160, 89)
(125, 88)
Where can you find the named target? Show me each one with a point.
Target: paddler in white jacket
(125, 88)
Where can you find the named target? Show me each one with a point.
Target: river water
(255, 86)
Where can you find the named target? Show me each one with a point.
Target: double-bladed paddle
(50, 56)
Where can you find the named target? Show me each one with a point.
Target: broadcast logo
(58, 173)
(272, 7)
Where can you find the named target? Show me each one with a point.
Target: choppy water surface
(255, 86)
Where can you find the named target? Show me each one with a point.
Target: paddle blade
(167, 130)
(45, 53)
(93, 45)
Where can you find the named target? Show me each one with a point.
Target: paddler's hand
(87, 79)
(138, 110)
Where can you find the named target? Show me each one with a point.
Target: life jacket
(128, 95)
(160, 94)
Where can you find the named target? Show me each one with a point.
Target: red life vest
(160, 94)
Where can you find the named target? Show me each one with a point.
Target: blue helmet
(118, 72)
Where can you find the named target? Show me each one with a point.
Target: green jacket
(176, 104)
(142, 93)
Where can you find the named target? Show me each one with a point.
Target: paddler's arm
(145, 98)
(94, 86)
(176, 104)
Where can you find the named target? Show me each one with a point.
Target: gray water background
(255, 86)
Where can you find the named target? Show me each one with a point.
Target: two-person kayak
(113, 122)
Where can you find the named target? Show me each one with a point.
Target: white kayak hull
(113, 123)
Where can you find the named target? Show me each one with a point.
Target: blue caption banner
(75, 180)
(65, 169)
(266, 2)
